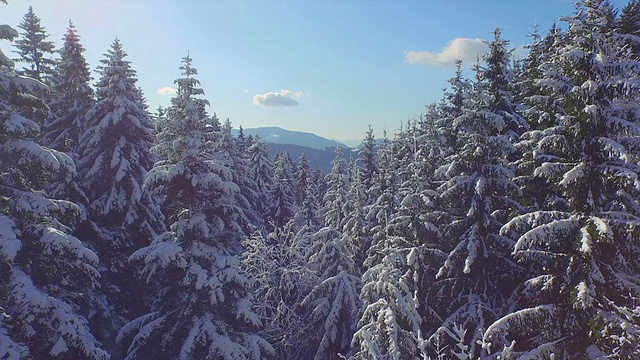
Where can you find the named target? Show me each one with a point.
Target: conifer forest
(503, 223)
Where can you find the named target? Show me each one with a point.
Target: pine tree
(580, 299)
(336, 196)
(248, 198)
(542, 111)
(116, 157)
(384, 206)
(33, 48)
(48, 277)
(629, 23)
(395, 286)
(241, 140)
(479, 273)
(355, 225)
(302, 177)
(318, 179)
(261, 170)
(203, 306)
(73, 97)
(307, 219)
(333, 304)
(281, 203)
(368, 161)
(281, 278)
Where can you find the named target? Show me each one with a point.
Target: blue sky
(328, 67)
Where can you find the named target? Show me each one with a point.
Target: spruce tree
(479, 274)
(333, 304)
(580, 299)
(261, 171)
(336, 196)
(629, 23)
(248, 198)
(302, 177)
(73, 97)
(281, 277)
(115, 158)
(281, 201)
(49, 277)
(202, 307)
(368, 161)
(34, 50)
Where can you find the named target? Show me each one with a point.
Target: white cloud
(166, 90)
(465, 49)
(278, 98)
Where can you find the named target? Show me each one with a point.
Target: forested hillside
(503, 223)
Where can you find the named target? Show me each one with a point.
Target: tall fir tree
(281, 277)
(48, 277)
(202, 307)
(479, 274)
(281, 199)
(302, 177)
(115, 158)
(580, 298)
(73, 97)
(261, 171)
(34, 50)
(368, 162)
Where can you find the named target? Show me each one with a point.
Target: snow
(586, 241)
(585, 294)
(546, 233)
(574, 174)
(7, 32)
(40, 309)
(58, 242)
(9, 243)
(21, 126)
(59, 347)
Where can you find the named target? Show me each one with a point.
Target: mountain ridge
(278, 135)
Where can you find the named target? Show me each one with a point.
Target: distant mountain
(352, 143)
(276, 135)
(317, 158)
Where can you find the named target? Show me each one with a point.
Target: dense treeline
(504, 223)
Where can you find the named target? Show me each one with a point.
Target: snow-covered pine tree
(115, 158)
(336, 196)
(581, 299)
(385, 204)
(203, 306)
(333, 305)
(355, 225)
(281, 199)
(34, 50)
(302, 178)
(307, 218)
(437, 122)
(318, 178)
(248, 198)
(395, 288)
(368, 162)
(542, 111)
(48, 277)
(281, 277)
(261, 170)
(629, 23)
(73, 97)
(479, 274)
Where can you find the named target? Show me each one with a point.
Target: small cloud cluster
(166, 90)
(278, 98)
(465, 49)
